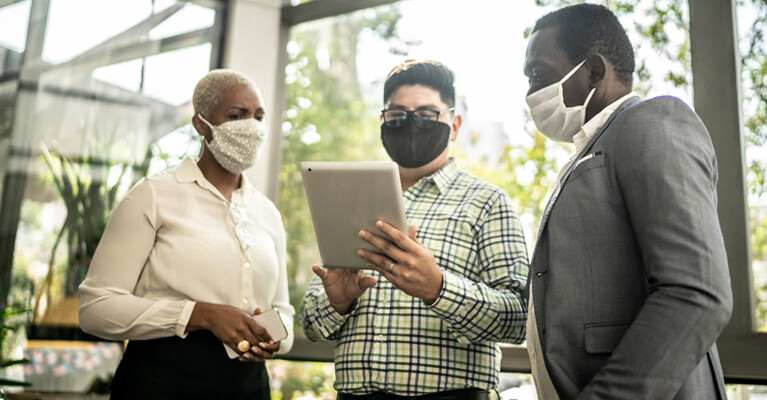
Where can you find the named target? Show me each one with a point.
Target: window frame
(716, 86)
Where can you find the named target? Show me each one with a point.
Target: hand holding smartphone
(272, 322)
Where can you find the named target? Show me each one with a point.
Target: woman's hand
(260, 351)
(232, 325)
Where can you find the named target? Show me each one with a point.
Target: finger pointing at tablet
(343, 286)
(415, 270)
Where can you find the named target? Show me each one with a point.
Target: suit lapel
(553, 198)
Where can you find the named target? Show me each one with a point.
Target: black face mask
(413, 147)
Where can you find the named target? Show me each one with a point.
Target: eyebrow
(260, 109)
(424, 107)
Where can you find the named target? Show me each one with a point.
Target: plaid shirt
(393, 342)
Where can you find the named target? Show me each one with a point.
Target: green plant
(89, 187)
(6, 327)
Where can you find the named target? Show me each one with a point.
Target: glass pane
(71, 31)
(170, 77)
(746, 392)
(13, 25)
(752, 26)
(335, 85)
(80, 135)
(126, 75)
(191, 18)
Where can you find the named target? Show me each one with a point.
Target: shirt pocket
(595, 161)
(600, 338)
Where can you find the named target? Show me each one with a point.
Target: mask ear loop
(202, 138)
(591, 93)
(572, 72)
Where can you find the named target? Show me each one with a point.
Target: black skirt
(196, 367)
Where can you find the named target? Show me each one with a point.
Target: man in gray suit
(629, 285)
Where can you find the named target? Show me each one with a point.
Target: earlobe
(201, 128)
(456, 125)
(598, 67)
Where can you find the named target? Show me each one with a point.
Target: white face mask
(555, 120)
(236, 144)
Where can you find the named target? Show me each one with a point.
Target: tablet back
(345, 197)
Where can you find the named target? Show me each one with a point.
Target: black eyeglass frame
(419, 122)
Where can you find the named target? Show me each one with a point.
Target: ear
(597, 65)
(201, 128)
(455, 125)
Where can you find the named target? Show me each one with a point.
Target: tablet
(346, 197)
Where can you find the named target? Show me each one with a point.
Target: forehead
(415, 96)
(543, 50)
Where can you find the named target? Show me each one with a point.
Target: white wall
(252, 46)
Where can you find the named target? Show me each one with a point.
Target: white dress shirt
(543, 385)
(173, 241)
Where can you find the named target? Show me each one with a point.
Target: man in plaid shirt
(426, 320)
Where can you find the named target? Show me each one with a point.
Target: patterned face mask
(236, 144)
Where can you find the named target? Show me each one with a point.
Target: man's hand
(343, 286)
(405, 262)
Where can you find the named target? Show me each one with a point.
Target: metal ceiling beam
(4, 3)
(318, 9)
(129, 52)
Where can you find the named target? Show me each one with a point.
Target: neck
(609, 95)
(225, 181)
(409, 176)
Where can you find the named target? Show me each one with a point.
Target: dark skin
(230, 324)
(546, 63)
(236, 102)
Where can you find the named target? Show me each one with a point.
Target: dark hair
(586, 29)
(432, 74)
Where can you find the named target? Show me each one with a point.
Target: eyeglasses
(423, 118)
(241, 220)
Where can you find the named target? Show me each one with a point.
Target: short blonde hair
(206, 92)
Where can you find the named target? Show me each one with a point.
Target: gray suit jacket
(629, 274)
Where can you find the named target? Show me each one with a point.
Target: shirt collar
(189, 171)
(444, 176)
(590, 128)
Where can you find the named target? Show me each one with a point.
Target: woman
(188, 256)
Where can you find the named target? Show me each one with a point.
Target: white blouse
(173, 241)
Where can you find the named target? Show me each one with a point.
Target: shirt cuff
(451, 297)
(183, 319)
(332, 321)
(449, 303)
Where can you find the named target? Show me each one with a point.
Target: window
(98, 100)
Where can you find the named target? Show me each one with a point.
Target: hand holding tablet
(346, 197)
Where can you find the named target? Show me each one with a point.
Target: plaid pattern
(393, 342)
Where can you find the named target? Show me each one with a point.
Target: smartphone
(272, 322)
